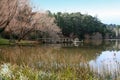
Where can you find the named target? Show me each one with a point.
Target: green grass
(22, 42)
(4, 41)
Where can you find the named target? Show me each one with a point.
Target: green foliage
(79, 24)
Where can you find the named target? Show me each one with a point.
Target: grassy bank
(22, 42)
(4, 41)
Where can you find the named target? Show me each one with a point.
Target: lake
(103, 57)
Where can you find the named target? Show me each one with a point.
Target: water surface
(102, 56)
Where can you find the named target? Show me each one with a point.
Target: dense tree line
(79, 25)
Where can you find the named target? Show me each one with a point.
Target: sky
(108, 11)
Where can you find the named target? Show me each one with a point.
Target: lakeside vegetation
(43, 62)
(46, 63)
(14, 72)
